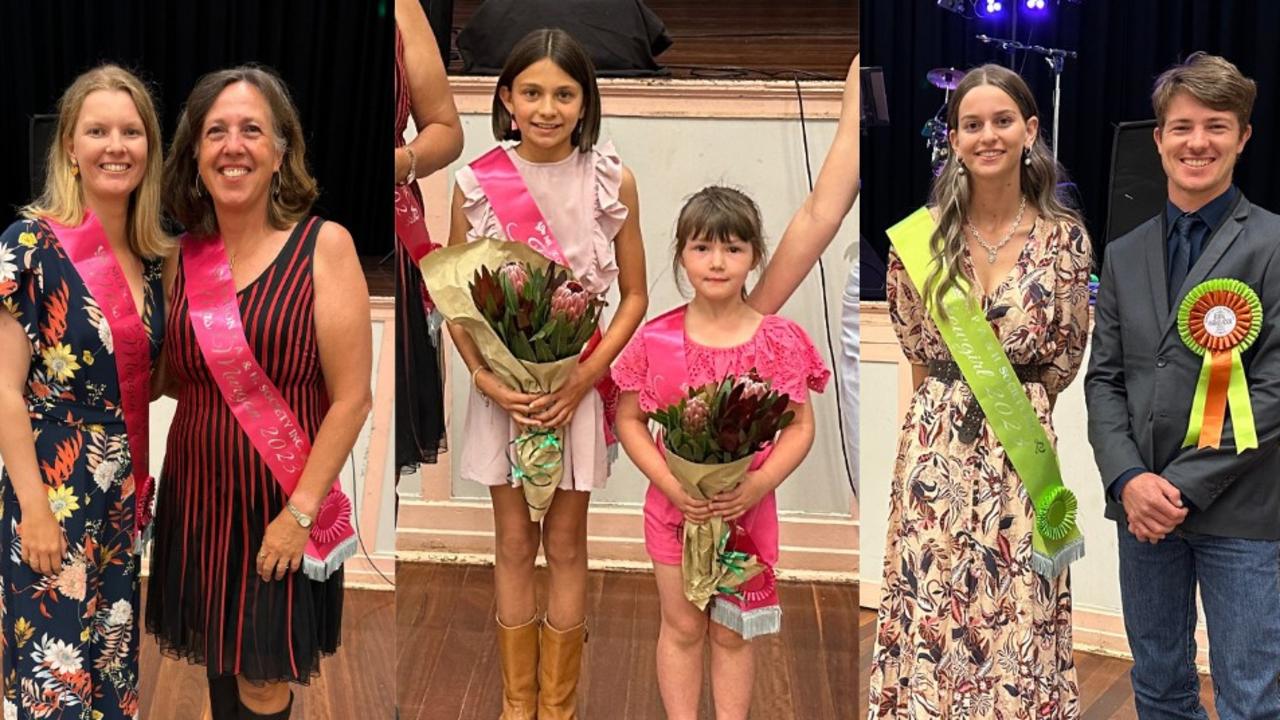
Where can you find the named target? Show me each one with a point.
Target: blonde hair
(62, 199)
(1211, 80)
(297, 188)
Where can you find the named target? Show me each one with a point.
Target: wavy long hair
(952, 191)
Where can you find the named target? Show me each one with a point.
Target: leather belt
(948, 372)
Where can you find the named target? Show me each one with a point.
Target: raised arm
(816, 222)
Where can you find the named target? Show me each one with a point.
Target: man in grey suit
(1189, 517)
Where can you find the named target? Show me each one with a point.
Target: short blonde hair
(1210, 79)
(62, 199)
(298, 189)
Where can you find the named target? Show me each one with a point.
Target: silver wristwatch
(303, 519)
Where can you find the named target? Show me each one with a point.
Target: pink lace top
(780, 351)
(579, 198)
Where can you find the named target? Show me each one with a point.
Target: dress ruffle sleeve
(797, 366)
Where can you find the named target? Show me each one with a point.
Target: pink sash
(256, 402)
(89, 251)
(520, 217)
(668, 371)
(411, 226)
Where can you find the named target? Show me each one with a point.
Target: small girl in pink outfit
(719, 242)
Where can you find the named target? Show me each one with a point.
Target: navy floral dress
(70, 643)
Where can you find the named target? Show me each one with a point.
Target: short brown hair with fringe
(1212, 80)
(298, 189)
(719, 214)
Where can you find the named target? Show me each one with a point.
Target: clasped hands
(1153, 507)
(728, 505)
(530, 410)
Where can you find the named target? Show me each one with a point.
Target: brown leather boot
(559, 665)
(518, 651)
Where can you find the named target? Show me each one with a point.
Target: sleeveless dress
(966, 629)
(420, 432)
(71, 642)
(781, 352)
(205, 601)
(578, 196)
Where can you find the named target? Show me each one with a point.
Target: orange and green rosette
(1219, 319)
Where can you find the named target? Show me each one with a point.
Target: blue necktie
(1184, 255)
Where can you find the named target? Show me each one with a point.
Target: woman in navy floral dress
(69, 568)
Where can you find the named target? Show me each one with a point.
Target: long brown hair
(951, 192)
(62, 199)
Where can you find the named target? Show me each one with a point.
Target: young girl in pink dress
(547, 101)
(718, 243)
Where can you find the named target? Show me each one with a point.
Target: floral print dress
(70, 642)
(966, 629)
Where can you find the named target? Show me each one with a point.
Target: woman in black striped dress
(225, 587)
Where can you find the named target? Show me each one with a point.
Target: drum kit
(935, 128)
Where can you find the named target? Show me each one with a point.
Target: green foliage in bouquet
(540, 313)
(725, 421)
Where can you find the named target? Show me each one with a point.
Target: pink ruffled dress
(578, 196)
(780, 351)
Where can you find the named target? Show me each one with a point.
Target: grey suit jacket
(1142, 377)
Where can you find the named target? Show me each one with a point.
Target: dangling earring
(1026, 156)
(199, 188)
(75, 168)
(962, 171)
(275, 184)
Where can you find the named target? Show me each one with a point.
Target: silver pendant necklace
(993, 250)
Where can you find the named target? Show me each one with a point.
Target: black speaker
(623, 37)
(1139, 188)
(42, 129)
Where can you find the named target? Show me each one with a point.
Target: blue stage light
(994, 6)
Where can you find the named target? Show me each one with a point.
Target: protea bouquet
(531, 321)
(711, 437)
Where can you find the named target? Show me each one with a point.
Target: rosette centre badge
(1218, 320)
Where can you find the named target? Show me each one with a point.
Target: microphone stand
(1056, 59)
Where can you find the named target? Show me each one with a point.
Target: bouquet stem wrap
(708, 569)
(537, 454)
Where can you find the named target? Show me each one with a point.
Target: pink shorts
(663, 532)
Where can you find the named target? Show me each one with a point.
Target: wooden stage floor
(356, 683)
(448, 664)
(759, 38)
(1105, 693)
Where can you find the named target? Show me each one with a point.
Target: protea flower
(516, 274)
(754, 388)
(696, 413)
(570, 300)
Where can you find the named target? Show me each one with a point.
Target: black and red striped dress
(205, 601)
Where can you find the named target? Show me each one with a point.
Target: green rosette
(1218, 320)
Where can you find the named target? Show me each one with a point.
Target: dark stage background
(336, 57)
(1122, 46)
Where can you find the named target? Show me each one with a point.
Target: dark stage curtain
(336, 57)
(1122, 46)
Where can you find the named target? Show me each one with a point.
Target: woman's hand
(44, 544)
(556, 409)
(733, 504)
(282, 547)
(694, 510)
(517, 404)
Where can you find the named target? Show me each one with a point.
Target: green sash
(978, 353)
